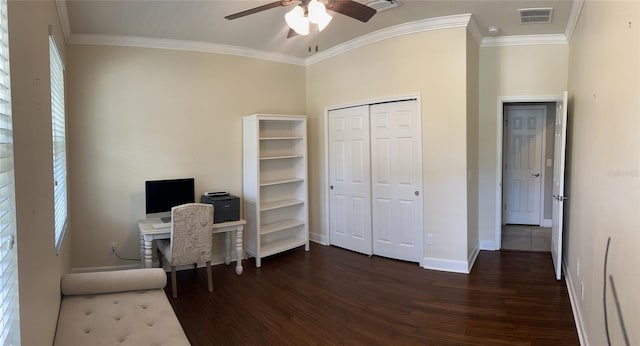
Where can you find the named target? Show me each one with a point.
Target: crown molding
(196, 46)
(576, 9)
(523, 40)
(63, 15)
(447, 22)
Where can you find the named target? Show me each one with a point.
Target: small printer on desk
(226, 207)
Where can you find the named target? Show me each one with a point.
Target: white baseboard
(547, 223)
(575, 307)
(490, 245)
(445, 265)
(319, 238)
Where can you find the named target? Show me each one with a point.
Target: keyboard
(161, 225)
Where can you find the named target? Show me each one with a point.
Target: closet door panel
(383, 220)
(350, 179)
(397, 178)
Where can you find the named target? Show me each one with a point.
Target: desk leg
(142, 250)
(227, 246)
(239, 250)
(148, 253)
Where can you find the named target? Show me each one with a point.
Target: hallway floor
(526, 238)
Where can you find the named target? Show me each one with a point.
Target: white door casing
(559, 149)
(524, 143)
(396, 175)
(350, 179)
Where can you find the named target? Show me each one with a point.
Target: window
(9, 321)
(59, 141)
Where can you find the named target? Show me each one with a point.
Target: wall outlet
(114, 246)
(429, 239)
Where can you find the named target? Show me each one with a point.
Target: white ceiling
(203, 21)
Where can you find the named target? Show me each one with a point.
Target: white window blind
(59, 141)
(9, 324)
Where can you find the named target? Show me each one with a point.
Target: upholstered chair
(190, 243)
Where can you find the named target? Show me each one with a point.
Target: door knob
(331, 187)
(560, 198)
(535, 174)
(417, 193)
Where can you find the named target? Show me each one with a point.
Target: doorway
(523, 174)
(554, 167)
(526, 167)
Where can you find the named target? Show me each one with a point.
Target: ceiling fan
(348, 8)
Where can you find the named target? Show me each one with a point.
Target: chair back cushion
(191, 227)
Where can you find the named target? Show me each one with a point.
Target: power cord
(123, 258)
(615, 300)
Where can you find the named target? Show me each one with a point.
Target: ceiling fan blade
(291, 33)
(352, 9)
(259, 9)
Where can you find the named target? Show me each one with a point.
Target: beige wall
(432, 64)
(604, 167)
(547, 193)
(138, 114)
(39, 266)
(538, 70)
(473, 84)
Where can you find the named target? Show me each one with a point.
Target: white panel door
(396, 175)
(350, 179)
(524, 164)
(558, 184)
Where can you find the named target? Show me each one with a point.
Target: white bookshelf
(274, 156)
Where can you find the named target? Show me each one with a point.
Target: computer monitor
(162, 195)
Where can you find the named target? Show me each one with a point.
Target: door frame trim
(364, 102)
(499, 148)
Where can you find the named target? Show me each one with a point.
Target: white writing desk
(148, 234)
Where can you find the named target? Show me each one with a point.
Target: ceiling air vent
(535, 15)
(380, 5)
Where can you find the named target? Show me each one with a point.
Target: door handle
(331, 187)
(417, 193)
(535, 174)
(560, 198)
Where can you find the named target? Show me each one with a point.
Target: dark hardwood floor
(333, 296)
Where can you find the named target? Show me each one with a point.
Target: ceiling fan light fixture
(317, 11)
(297, 21)
(324, 21)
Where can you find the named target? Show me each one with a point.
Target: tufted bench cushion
(127, 307)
